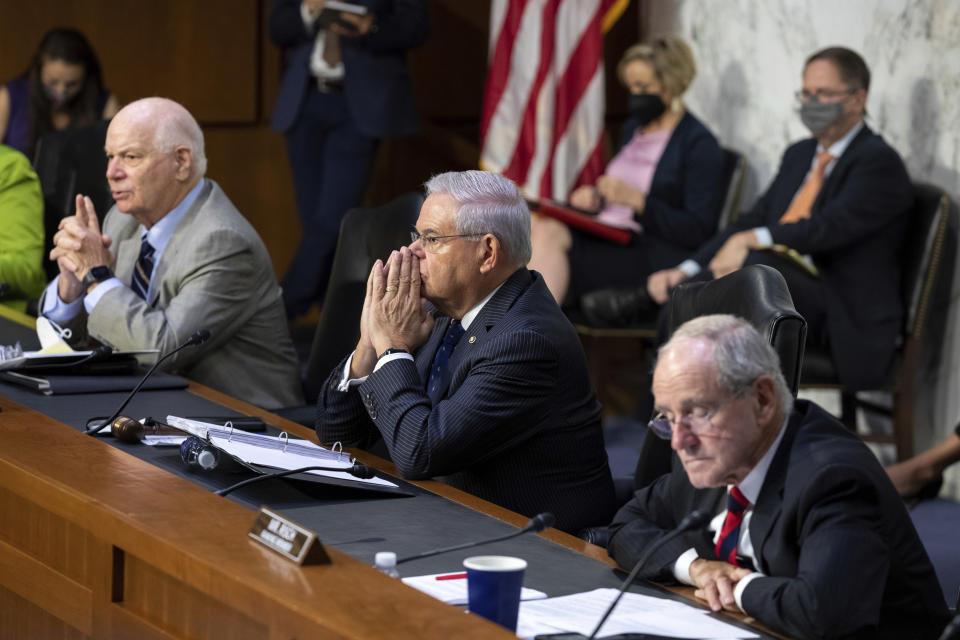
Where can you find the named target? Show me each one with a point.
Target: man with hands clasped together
(808, 536)
(466, 367)
(175, 256)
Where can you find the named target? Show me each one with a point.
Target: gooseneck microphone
(358, 470)
(952, 630)
(537, 524)
(199, 337)
(692, 520)
(100, 353)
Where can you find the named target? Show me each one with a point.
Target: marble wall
(750, 55)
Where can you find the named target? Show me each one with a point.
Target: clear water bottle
(386, 562)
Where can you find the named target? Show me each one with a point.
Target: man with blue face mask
(832, 222)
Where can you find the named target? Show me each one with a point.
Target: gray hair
(175, 127)
(740, 354)
(488, 203)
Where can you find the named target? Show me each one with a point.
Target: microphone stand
(537, 524)
(198, 337)
(692, 520)
(358, 470)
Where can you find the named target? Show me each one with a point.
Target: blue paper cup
(493, 588)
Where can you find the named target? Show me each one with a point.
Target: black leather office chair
(735, 169)
(929, 256)
(756, 293)
(69, 162)
(365, 236)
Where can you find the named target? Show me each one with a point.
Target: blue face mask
(817, 116)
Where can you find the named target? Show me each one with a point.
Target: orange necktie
(803, 201)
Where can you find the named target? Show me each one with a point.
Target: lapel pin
(472, 339)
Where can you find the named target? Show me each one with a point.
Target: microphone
(100, 353)
(952, 630)
(537, 524)
(358, 470)
(692, 520)
(132, 431)
(199, 337)
(197, 454)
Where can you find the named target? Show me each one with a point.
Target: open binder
(267, 453)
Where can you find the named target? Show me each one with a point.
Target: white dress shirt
(158, 236)
(750, 488)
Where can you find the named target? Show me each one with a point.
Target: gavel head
(127, 430)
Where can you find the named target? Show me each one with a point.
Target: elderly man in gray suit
(174, 256)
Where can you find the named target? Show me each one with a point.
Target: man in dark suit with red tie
(808, 535)
(466, 367)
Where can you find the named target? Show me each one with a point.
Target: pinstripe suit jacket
(214, 274)
(518, 423)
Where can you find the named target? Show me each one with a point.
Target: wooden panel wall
(215, 56)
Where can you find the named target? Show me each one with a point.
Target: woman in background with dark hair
(62, 89)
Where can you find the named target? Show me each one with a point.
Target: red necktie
(726, 547)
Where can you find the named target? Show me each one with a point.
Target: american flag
(543, 111)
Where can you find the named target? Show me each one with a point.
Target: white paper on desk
(455, 591)
(635, 612)
(273, 451)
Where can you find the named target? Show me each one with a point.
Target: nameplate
(287, 538)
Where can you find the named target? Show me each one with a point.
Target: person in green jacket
(21, 230)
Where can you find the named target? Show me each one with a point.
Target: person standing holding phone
(346, 86)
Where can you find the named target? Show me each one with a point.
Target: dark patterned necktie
(439, 367)
(726, 547)
(143, 269)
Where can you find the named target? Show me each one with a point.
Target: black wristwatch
(389, 351)
(95, 276)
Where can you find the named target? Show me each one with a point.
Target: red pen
(453, 576)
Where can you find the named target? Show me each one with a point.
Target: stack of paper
(452, 588)
(635, 613)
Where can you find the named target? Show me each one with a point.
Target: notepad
(579, 219)
(635, 613)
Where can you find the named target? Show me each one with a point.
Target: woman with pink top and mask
(62, 89)
(665, 185)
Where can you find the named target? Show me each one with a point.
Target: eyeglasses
(820, 95)
(697, 420)
(431, 242)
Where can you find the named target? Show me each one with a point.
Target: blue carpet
(624, 439)
(938, 523)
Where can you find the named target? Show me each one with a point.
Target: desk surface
(118, 539)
